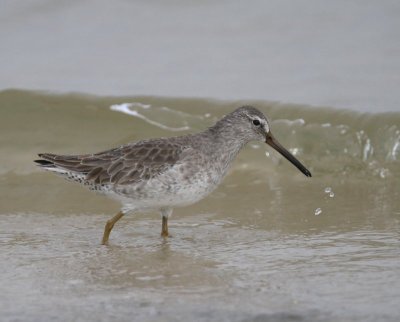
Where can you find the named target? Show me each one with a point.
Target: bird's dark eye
(256, 122)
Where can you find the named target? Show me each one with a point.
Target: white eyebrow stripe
(263, 121)
(266, 125)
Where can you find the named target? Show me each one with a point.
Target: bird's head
(252, 125)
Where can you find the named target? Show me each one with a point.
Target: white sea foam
(127, 108)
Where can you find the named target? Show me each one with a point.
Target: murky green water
(258, 249)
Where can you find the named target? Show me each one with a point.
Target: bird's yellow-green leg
(164, 229)
(165, 213)
(109, 226)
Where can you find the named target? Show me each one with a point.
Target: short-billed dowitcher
(161, 174)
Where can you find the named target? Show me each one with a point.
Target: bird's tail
(85, 168)
(60, 164)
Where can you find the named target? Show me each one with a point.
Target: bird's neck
(223, 145)
(227, 134)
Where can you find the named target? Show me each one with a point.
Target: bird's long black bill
(278, 147)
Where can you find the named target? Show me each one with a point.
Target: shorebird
(161, 174)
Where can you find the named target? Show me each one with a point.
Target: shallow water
(268, 245)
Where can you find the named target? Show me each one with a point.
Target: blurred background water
(332, 53)
(269, 244)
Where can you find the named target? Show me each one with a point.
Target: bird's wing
(126, 164)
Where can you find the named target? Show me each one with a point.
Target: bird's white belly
(175, 188)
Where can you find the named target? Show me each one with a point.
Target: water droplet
(383, 173)
(267, 154)
(332, 194)
(328, 189)
(318, 211)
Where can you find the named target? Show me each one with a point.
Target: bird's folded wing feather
(127, 164)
